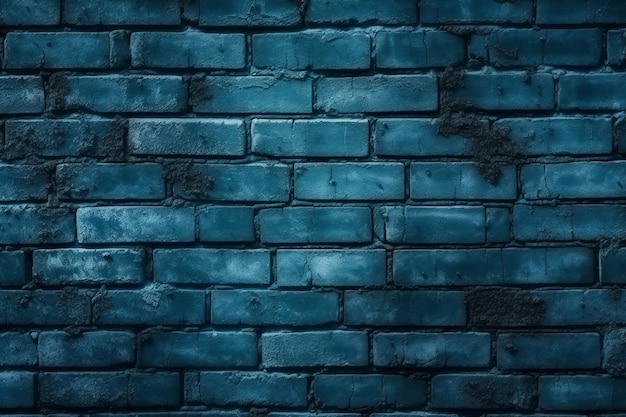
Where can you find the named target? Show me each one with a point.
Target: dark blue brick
(18, 389)
(148, 390)
(362, 11)
(498, 225)
(613, 266)
(582, 307)
(198, 349)
(36, 225)
(616, 47)
(580, 11)
(581, 392)
(271, 308)
(249, 13)
(420, 49)
(23, 183)
(17, 349)
(592, 91)
(21, 94)
(30, 12)
(12, 268)
(68, 307)
(476, 11)
(226, 224)
(88, 349)
(404, 308)
(614, 352)
(121, 12)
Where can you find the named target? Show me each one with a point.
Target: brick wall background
(400, 208)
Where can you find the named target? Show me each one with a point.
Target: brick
(416, 137)
(151, 305)
(68, 307)
(12, 268)
(270, 308)
(613, 266)
(375, 391)
(591, 91)
(110, 181)
(581, 11)
(349, 181)
(417, 49)
(129, 224)
(380, 93)
(507, 91)
(212, 266)
(198, 349)
(459, 181)
(320, 348)
(121, 12)
(226, 224)
(582, 307)
(614, 352)
(88, 266)
(511, 266)
(120, 93)
(560, 135)
(568, 222)
(530, 47)
(17, 349)
(20, 224)
(49, 50)
(186, 137)
(120, 55)
(154, 390)
(362, 11)
(548, 351)
(21, 94)
(30, 12)
(431, 350)
(316, 225)
(313, 138)
(312, 49)
(476, 11)
(254, 94)
(473, 391)
(498, 225)
(404, 308)
(334, 268)
(88, 349)
(616, 47)
(18, 389)
(232, 182)
(434, 224)
(246, 388)
(23, 183)
(249, 13)
(188, 50)
(581, 392)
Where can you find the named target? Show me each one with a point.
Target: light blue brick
(248, 13)
(30, 12)
(121, 12)
(581, 392)
(419, 49)
(17, 349)
(591, 91)
(49, 307)
(226, 224)
(89, 349)
(476, 11)
(18, 389)
(20, 224)
(23, 183)
(21, 94)
(616, 47)
(362, 11)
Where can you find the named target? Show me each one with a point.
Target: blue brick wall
(298, 208)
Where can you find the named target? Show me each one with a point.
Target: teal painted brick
(17, 349)
(614, 352)
(192, 137)
(40, 307)
(613, 266)
(416, 137)
(21, 94)
(616, 47)
(431, 224)
(334, 268)
(498, 225)
(581, 11)
(20, 224)
(226, 224)
(255, 94)
(198, 349)
(120, 48)
(123, 93)
(316, 225)
(154, 390)
(568, 222)
(310, 414)
(18, 389)
(476, 11)
(188, 50)
(560, 135)
(404, 308)
(582, 307)
(432, 350)
(548, 351)
(121, 12)
(349, 391)
(560, 47)
(362, 11)
(151, 305)
(212, 266)
(127, 224)
(320, 348)
(312, 49)
(420, 49)
(507, 91)
(88, 349)
(349, 181)
(23, 183)
(461, 391)
(110, 181)
(380, 93)
(232, 182)
(581, 392)
(50, 50)
(459, 181)
(249, 13)
(591, 91)
(30, 12)
(493, 266)
(246, 388)
(313, 138)
(12, 268)
(88, 266)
